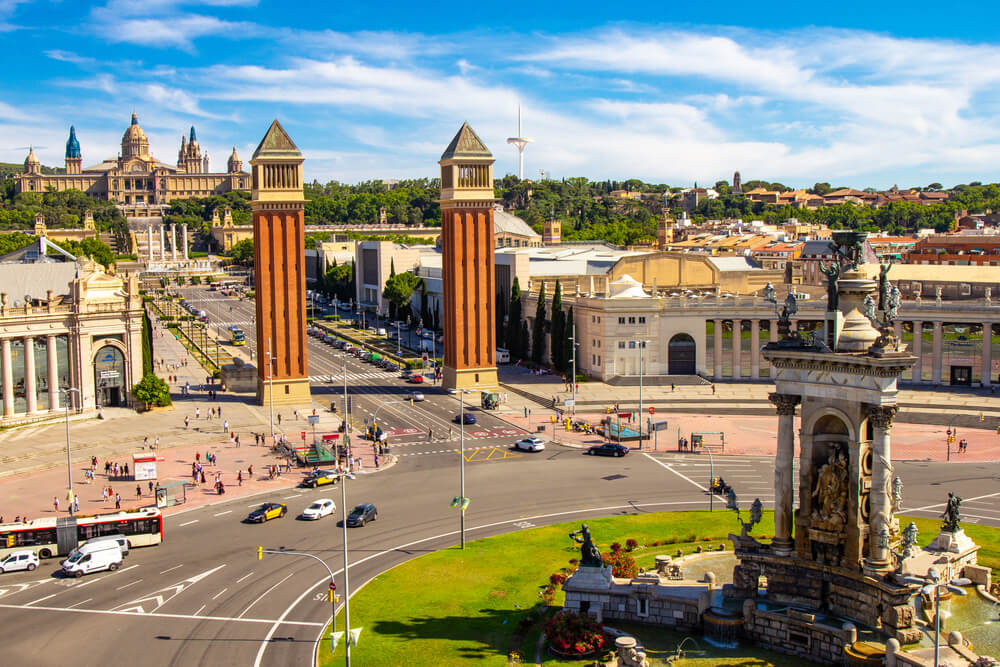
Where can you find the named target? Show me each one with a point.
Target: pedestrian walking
(239, 478)
(76, 504)
(118, 501)
(713, 390)
(218, 411)
(55, 502)
(197, 413)
(138, 492)
(237, 440)
(104, 495)
(145, 442)
(187, 420)
(279, 419)
(225, 426)
(250, 471)
(156, 442)
(202, 476)
(197, 457)
(150, 487)
(256, 439)
(376, 461)
(296, 413)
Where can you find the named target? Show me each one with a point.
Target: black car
(466, 418)
(608, 449)
(266, 512)
(362, 514)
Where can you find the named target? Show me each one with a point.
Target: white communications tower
(520, 143)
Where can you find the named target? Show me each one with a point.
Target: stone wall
(796, 634)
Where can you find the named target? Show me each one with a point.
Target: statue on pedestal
(951, 515)
(832, 273)
(897, 494)
(830, 493)
(589, 553)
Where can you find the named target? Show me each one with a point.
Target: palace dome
(134, 141)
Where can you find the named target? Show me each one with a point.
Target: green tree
(242, 252)
(820, 188)
(152, 390)
(393, 315)
(523, 339)
(512, 341)
(399, 291)
(538, 330)
(557, 331)
(147, 345)
(498, 319)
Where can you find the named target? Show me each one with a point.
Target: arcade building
(138, 182)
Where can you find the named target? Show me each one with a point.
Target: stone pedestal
(956, 543)
(589, 577)
(627, 654)
(239, 377)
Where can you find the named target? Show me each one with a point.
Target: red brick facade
(468, 281)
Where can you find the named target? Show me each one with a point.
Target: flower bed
(574, 635)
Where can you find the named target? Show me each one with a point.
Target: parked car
(266, 512)
(608, 449)
(416, 396)
(320, 478)
(465, 418)
(319, 509)
(19, 560)
(531, 444)
(362, 514)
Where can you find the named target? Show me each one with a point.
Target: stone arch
(110, 356)
(682, 354)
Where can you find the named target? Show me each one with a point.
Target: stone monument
(832, 557)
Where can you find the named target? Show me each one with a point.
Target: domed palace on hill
(137, 181)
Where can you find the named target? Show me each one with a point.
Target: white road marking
(682, 476)
(226, 512)
(219, 593)
(79, 603)
(199, 610)
(245, 576)
(938, 505)
(127, 585)
(188, 523)
(41, 599)
(264, 594)
(116, 612)
(296, 495)
(172, 568)
(164, 595)
(96, 579)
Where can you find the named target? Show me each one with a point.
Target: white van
(96, 557)
(121, 540)
(503, 355)
(381, 332)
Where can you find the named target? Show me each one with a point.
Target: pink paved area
(32, 494)
(757, 436)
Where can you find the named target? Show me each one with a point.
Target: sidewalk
(33, 469)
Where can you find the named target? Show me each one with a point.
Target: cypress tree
(538, 331)
(499, 315)
(392, 274)
(558, 331)
(524, 339)
(147, 345)
(513, 338)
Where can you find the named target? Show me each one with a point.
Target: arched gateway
(681, 355)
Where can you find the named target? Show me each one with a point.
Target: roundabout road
(202, 597)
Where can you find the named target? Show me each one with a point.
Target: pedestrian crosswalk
(339, 377)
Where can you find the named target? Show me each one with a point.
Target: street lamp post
(573, 378)
(397, 339)
(642, 345)
(934, 584)
(270, 387)
(461, 460)
(69, 465)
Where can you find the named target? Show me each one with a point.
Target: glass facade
(42, 372)
(17, 363)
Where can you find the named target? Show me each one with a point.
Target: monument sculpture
(951, 514)
(590, 556)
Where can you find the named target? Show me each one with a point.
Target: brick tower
(467, 245)
(280, 275)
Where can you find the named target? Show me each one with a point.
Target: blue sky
(853, 93)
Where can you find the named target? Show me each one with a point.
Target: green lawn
(452, 607)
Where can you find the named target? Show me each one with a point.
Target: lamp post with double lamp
(69, 464)
(642, 346)
(933, 584)
(461, 460)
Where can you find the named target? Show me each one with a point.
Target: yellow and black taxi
(318, 478)
(266, 512)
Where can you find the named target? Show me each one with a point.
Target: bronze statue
(830, 492)
(589, 554)
(832, 273)
(951, 516)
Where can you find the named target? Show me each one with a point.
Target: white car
(319, 509)
(19, 560)
(416, 396)
(531, 444)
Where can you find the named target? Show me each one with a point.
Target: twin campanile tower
(279, 260)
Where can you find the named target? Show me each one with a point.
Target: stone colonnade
(183, 243)
(30, 381)
(985, 360)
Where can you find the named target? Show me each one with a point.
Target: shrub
(615, 547)
(557, 579)
(622, 565)
(574, 561)
(152, 390)
(548, 594)
(575, 634)
(195, 280)
(630, 544)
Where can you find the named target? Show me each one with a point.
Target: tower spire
(519, 142)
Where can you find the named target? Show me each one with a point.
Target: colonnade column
(772, 336)
(783, 460)
(184, 239)
(29, 375)
(936, 354)
(880, 500)
(163, 244)
(987, 354)
(149, 241)
(173, 242)
(918, 351)
(717, 351)
(737, 349)
(8, 378)
(754, 349)
(53, 372)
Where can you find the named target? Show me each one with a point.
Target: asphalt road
(202, 597)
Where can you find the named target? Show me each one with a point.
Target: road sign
(313, 420)
(660, 425)
(624, 415)
(331, 436)
(569, 402)
(108, 375)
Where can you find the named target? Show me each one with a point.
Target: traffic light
(332, 592)
(260, 553)
(982, 417)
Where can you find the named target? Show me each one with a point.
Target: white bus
(57, 536)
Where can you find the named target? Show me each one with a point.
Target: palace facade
(138, 182)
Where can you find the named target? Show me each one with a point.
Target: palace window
(621, 320)
(621, 345)
(631, 320)
(642, 320)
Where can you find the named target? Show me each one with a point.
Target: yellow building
(139, 183)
